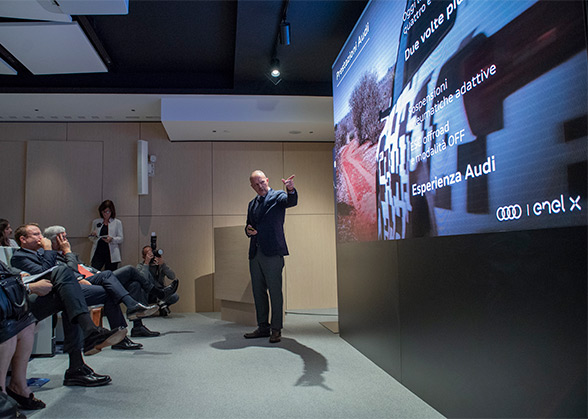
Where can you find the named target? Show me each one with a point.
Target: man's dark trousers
(266, 274)
(68, 297)
(136, 284)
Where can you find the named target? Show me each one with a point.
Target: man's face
(260, 184)
(32, 240)
(148, 254)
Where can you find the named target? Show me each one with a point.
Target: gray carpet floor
(202, 367)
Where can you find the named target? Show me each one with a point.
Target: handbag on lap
(13, 298)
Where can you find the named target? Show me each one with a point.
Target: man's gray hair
(53, 231)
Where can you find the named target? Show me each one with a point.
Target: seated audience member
(136, 284)
(35, 256)
(60, 291)
(155, 268)
(5, 233)
(17, 335)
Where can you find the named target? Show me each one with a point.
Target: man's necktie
(260, 200)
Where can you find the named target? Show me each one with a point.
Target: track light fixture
(284, 32)
(283, 38)
(275, 68)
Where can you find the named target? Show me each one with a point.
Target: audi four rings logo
(509, 212)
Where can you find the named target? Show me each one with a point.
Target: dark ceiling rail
(90, 32)
(12, 61)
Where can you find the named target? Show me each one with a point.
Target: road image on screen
(461, 117)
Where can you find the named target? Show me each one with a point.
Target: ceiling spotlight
(284, 33)
(275, 68)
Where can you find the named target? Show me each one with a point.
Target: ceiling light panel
(33, 9)
(97, 7)
(51, 48)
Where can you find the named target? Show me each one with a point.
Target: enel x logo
(575, 203)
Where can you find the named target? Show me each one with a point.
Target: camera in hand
(156, 252)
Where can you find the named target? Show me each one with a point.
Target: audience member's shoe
(143, 332)
(127, 344)
(26, 403)
(101, 338)
(139, 311)
(164, 311)
(90, 371)
(257, 333)
(276, 336)
(84, 376)
(170, 289)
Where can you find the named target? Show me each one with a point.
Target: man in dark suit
(267, 248)
(35, 255)
(57, 291)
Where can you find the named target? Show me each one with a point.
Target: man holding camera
(155, 268)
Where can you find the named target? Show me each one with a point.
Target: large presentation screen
(461, 117)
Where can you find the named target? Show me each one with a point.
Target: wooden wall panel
(232, 165)
(129, 249)
(12, 181)
(120, 176)
(187, 243)
(197, 186)
(82, 246)
(182, 184)
(100, 131)
(16, 131)
(311, 280)
(230, 220)
(120, 161)
(313, 166)
(63, 184)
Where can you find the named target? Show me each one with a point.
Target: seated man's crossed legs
(116, 294)
(63, 293)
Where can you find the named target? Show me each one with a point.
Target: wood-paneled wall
(58, 173)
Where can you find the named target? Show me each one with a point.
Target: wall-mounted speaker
(142, 167)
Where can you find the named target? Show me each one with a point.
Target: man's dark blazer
(32, 262)
(104, 289)
(269, 222)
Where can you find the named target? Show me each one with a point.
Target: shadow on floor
(314, 363)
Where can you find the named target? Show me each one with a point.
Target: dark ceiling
(207, 47)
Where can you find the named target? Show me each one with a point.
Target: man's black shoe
(90, 371)
(139, 311)
(85, 377)
(257, 333)
(127, 344)
(143, 332)
(100, 338)
(276, 336)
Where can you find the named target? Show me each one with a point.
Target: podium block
(232, 284)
